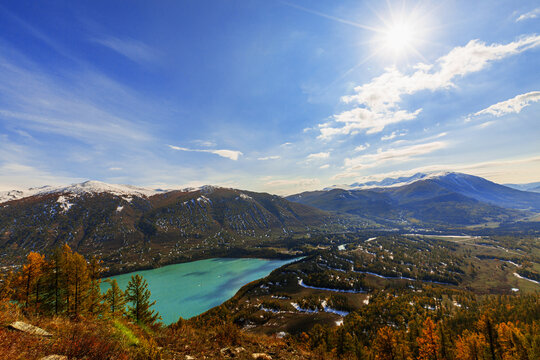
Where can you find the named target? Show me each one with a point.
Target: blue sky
(276, 96)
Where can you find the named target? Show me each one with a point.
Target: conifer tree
(55, 294)
(29, 279)
(138, 295)
(6, 285)
(428, 342)
(115, 299)
(95, 304)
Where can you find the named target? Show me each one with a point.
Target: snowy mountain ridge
(390, 182)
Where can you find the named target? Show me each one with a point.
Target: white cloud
(519, 170)
(361, 147)
(402, 154)
(16, 176)
(533, 14)
(84, 105)
(229, 154)
(205, 143)
(318, 156)
(115, 169)
(486, 124)
(393, 135)
(130, 48)
(325, 166)
(272, 157)
(302, 182)
(379, 100)
(514, 105)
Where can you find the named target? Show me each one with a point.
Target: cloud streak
(533, 14)
(318, 156)
(229, 154)
(514, 105)
(130, 48)
(402, 154)
(272, 157)
(378, 102)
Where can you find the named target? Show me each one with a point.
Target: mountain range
(534, 187)
(132, 227)
(127, 225)
(440, 198)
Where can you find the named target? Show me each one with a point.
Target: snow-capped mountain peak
(87, 187)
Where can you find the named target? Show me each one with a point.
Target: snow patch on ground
(524, 278)
(301, 283)
(64, 203)
(245, 197)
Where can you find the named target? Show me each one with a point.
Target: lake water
(190, 289)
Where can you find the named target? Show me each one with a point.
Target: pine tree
(55, 294)
(115, 299)
(138, 295)
(95, 305)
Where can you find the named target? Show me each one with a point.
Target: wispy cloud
(393, 135)
(361, 147)
(318, 156)
(379, 100)
(514, 105)
(486, 124)
(524, 169)
(290, 185)
(533, 14)
(132, 49)
(272, 157)
(229, 154)
(84, 105)
(325, 166)
(402, 154)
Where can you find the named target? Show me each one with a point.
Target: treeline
(402, 327)
(67, 284)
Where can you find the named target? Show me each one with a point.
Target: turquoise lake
(190, 289)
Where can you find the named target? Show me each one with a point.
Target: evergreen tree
(115, 299)
(95, 304)
(138, 295)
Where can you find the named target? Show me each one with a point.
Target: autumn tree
(78, 283)
(512, 341)
(470, 346)
(138, 295)
(387, 345)
(6, 285)
(115, 299)
(485, 325)
(29, 280)
(428, 342)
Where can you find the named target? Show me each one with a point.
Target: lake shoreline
(231, 253)
(190, 289)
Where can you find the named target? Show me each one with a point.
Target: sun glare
(402, 33)
(398, 38)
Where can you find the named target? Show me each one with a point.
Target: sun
(398, 38)
(402, 33)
